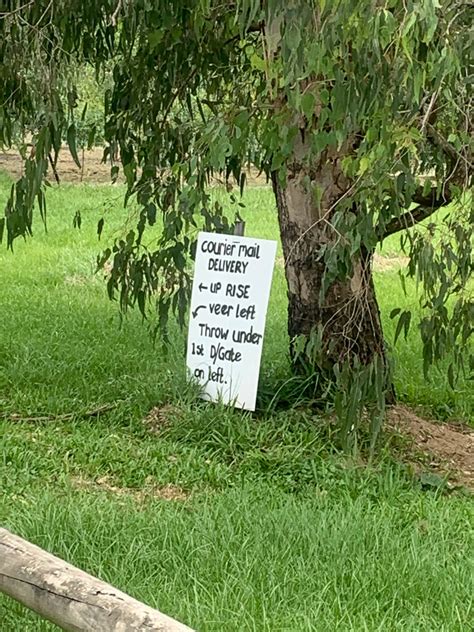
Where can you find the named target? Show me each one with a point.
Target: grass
(257, 559)
(271, 529)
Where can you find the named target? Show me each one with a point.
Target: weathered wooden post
(69, 597)
(239, 229)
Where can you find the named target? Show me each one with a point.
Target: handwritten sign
(229, 302)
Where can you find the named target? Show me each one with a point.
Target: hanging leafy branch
(359, 112)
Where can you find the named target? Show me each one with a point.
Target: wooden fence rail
(69, 597)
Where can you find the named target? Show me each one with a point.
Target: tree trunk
(347, 314)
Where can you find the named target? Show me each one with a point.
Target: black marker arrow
(202, 287)
(195, 313)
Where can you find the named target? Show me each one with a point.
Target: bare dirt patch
(77, 279)
(448, 449)
(150, 490)
(160, 416)
(94, 171)
(383, 263)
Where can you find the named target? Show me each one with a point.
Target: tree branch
(113, 19)
(447, 147)
(427, 205)
(7, 14)
(65, 417)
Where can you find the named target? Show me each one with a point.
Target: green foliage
(357, 392)
(254, 558)
(279, 531)
(51, 291)
(195, 90)
(441, 262)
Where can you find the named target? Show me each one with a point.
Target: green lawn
(270, 529)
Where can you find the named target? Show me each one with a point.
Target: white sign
(229, 302)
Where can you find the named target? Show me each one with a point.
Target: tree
(358, 112)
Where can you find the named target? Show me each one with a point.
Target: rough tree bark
(348, 314)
